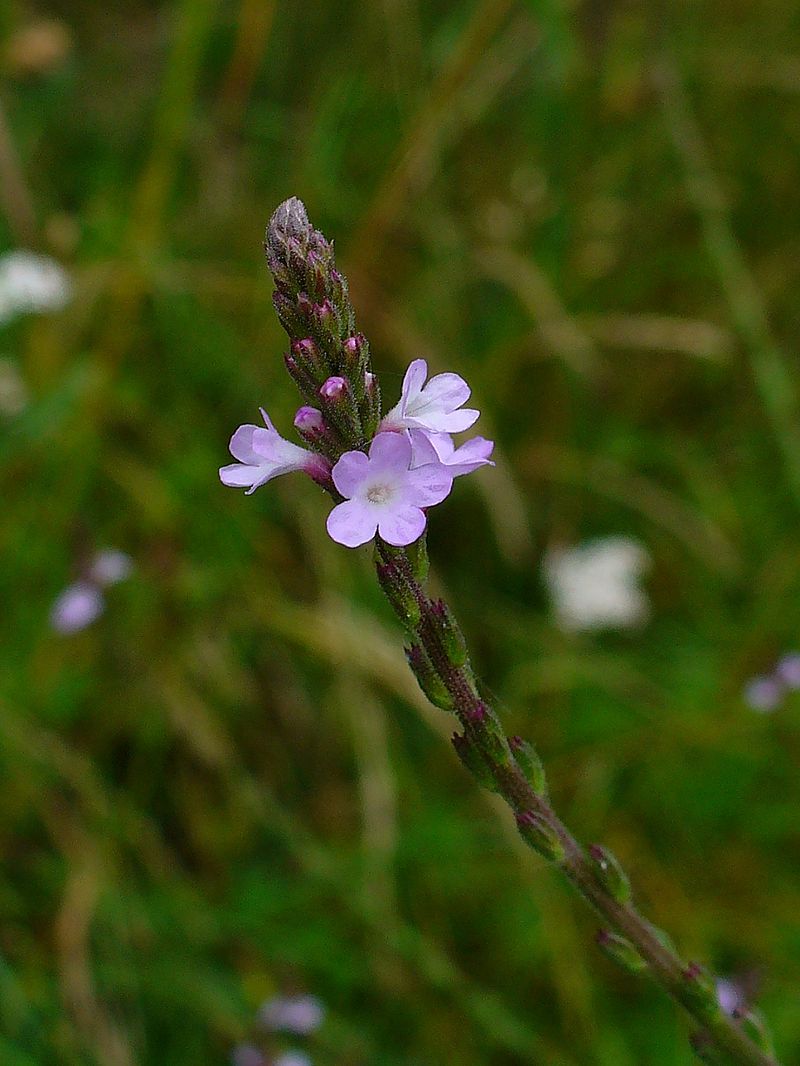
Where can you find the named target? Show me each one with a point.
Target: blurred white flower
(31, 283)
(77, 607)
(596, 585)
(13, 393)
(292, 1058)
(110, 566)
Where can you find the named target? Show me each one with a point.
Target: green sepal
(620, 950)
(700, 991)
(429, 680)
(474, 761)
(527, 759)
(609, 873)
(455, 647)
(402, 599)
(417, 555)
(542, 837)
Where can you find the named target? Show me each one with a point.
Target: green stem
(402, 578)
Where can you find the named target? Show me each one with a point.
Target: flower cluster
(298, 1016)
(385, 472)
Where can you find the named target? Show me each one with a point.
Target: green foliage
(231, 785)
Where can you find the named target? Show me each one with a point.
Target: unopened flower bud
(289, 314)
(472, 759)
(620, 951)
(316, 274)
(541, 836)
(309, 420)
(700, 990)
(609, 873)
(301, 377)
(529, 762)
(429, 680)
(333, 388)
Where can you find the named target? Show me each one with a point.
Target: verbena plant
(383, 473)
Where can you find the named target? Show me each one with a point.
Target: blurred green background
(229, 786)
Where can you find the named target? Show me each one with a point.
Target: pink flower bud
(309, 420)
(333, 388)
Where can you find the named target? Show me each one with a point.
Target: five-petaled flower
(264, 454)
(435, 407)
(384, 494)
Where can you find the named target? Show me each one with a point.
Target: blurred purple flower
(730, 995)
(247, 1055)
(77, 607)
(763, 694)
(300, 1015)
(788, 669)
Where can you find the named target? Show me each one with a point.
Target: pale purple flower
(292, 1058)
(435, 407)
(77, 607)
(264, 454)
(788, 669)
(439, 448)
(300, 1015)
(110, 566)
(763, 694)
(247, 1055)
(383, 494)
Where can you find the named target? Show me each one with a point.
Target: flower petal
(352, 523)
(238, 475)
(423, 449)
(413, 382)
(427, 485)
(349, 473)
(389, 452)
(444, 421)
(241, 446)
(401, 525)
(445, 392)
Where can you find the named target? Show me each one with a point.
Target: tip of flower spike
(290, 219)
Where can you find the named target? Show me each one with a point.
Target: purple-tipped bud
(301, 376)
(529, 762)
(334, 388)
(324, 316)
(309, 420)
(429, 680)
